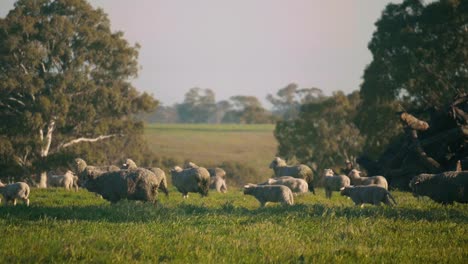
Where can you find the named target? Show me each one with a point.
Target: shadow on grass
(128, 211)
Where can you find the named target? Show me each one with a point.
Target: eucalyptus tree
(65, 79)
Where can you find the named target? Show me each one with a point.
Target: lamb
(300, 171)
(18, 190)
(296, 185)
(67, 180)
(191, 180)
(160, 174)
(444, 188)
(334, 182)
(371, 194)
(139, 184)
(270, 193)
(356, 179)
(218, 183)
(84, 171)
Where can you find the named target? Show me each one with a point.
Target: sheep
(371, 194)
(191, 180)
(300, 171)
(84, 171)
(270, 193)
(444, 188)
(296, 185)
(160, 174)
(139, 184)
(67, 180)
(218, 183)
(217, 177)
(18, 190)
(334, 182)
(356, 179)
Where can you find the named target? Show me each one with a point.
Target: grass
(211, 145)
(62, 226)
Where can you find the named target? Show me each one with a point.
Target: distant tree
(64, 81)
(199, 106)
(420, 56)
(288, 100)
(247, 110)
(162, 114)
(323, 133)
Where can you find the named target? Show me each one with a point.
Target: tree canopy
(419, 62)
(65, 79)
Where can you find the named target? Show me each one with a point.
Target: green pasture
(210, 145)
(79, 227)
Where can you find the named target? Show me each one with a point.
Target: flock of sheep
(137, 183)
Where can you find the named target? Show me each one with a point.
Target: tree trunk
(45, 147)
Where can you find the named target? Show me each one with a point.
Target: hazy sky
(244, 47)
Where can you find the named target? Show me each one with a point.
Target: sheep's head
(345, 191)
(129, 164)
(328, 172)
(249, 188)
(416, 183)
(190, 165)
(353, 174)
(176, 169)
(80, 165)
(277, 162)
(204, 187)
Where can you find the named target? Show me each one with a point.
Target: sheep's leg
(14, 202)
(26, 201)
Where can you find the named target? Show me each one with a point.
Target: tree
(419, 62)
(246, 110)
(199, 106)
(289, 99)
(323, 133)
(65, 80)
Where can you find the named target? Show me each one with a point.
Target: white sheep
(218, 183)
(191, 180)
(296, 185)
(334, 182)
(67, 180)
(160, 174)
(356, 179)
(371, 194)
(300, 171)
(18, 190)
(270, 193)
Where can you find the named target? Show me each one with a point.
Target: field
(210, 145)
(63, 227)
(79, 227)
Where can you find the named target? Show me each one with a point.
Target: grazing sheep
(67, 180)
(334, 182)
(296, 185)
(218, 183)
(139, 184)
(445, 188)
(217, 177)
(270, 193)
(371, 194)
(160, 174)
(18, 190)
(84, 171)
(191, 180)
(300, 171)
(356, 179)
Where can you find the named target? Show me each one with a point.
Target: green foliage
(324, 132)
(198, 106)
(419, 62)
(65, 79)
(62, 226)
(247, 110)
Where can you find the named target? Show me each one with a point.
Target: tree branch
(83, 139)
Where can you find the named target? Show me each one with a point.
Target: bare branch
(83, 139)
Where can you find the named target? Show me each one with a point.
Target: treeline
(200, 106)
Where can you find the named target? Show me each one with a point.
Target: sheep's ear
(342, 188)
(417, 182)
(246, 186)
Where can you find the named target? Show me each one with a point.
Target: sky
(244, 47)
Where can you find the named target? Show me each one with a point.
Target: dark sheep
(444, 188)
(139, 184)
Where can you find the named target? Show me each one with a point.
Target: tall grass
(62, 226)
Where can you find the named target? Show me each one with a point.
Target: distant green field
(210, 145)
(71, 227)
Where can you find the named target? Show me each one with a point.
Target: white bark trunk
(45, 147)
